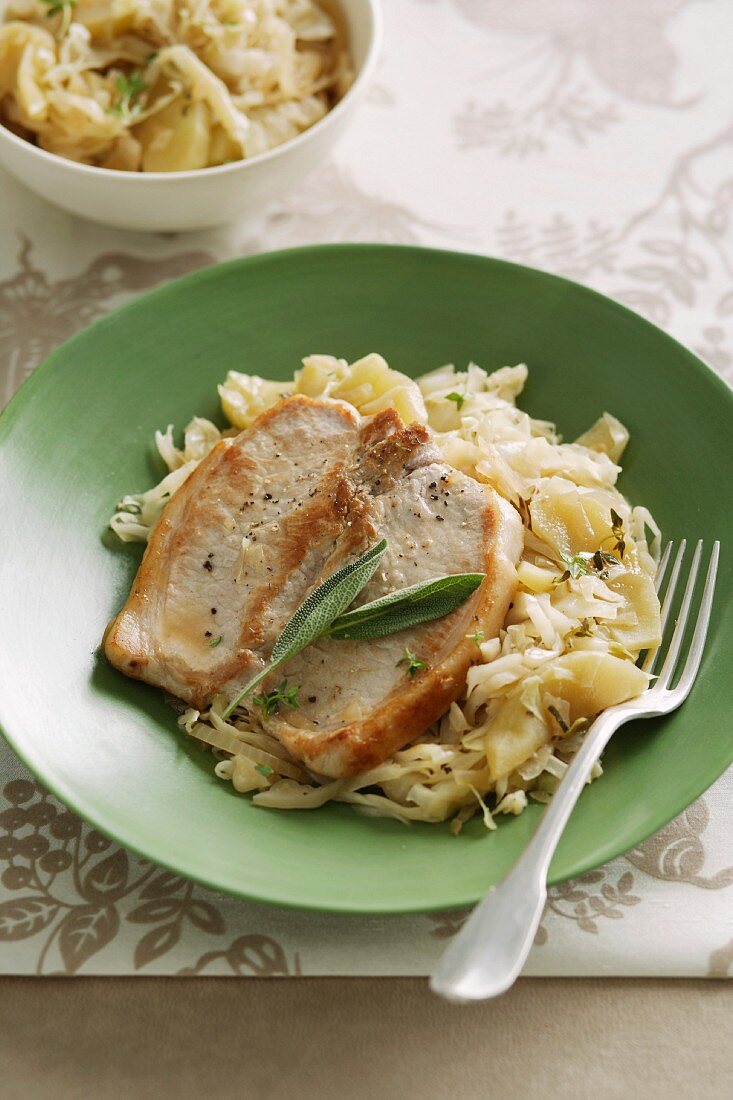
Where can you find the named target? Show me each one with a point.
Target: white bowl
(170, 201)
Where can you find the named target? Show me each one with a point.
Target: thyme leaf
(576, 565)
(129, 89)
(412, 664)
(282, 695)
(617, 527)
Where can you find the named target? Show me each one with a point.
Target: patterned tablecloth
(589, 138)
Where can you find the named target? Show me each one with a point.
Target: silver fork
(489, 952)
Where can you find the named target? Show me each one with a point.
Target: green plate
(78, 435)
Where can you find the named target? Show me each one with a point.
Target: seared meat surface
(265, 519)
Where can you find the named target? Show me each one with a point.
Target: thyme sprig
(576, 565)
(412, 663)
(283, 695)
(586, 564)
(129, 89)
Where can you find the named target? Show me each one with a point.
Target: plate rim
(19, 402)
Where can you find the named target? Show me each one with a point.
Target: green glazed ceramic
(78, 436)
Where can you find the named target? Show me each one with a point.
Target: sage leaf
(420, 603)
(316, 613)
(326, 603)
(322, 613)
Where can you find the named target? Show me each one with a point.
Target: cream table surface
(363, 1038)
(590, 138)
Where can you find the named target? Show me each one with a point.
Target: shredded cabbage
(138, 513)
(167, 85)
(584, 609)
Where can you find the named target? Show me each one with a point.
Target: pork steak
(265, 519)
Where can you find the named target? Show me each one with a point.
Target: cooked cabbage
(138, 513)
(368, 384)
(167, 85)
(584, 610)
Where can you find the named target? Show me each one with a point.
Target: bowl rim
(362, 78)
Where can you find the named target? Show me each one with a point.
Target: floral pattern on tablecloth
(70, 889)
(72, 901)
(587, 138)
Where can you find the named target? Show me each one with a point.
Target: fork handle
(487, 955)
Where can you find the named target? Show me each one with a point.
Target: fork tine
(670, 662)
(662, 567)
(671, 587)
(701, 628)
(651, 657)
